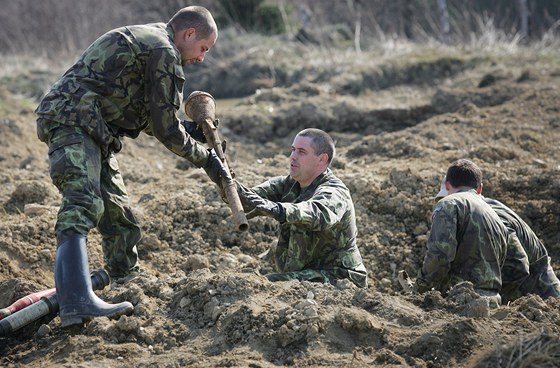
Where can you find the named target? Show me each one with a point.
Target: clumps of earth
(201, 299)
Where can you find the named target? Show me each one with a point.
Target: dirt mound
(201, 299)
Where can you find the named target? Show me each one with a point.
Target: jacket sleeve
(164, 93)
(272, 189)
(322, 211)
(515, 269)
(441, 250)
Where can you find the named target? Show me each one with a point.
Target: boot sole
(68, 321)
(74, 321)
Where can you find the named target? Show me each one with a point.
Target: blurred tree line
(50, 27)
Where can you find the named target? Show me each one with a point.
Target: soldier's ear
(479, 189)
(190, 33)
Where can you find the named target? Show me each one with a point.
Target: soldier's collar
(321, 177)
(170, 31)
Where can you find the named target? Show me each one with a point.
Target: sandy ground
(202, 301)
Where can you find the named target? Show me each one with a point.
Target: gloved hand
(241, 190)
(215, 169)
(194, 131)
(261, 206)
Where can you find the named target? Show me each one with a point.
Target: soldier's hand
(215, 169)
(241, 189)
(261, 206)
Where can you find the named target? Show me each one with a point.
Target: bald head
(196, 17)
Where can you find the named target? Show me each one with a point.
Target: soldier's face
(194, 50)
(305, 164)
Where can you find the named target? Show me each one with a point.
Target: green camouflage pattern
(467, 242)
(128, 81)
(515, 269)
(93, 195)
(541, 279)
(322, 276)
(317, 242)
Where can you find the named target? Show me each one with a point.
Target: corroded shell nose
(200, 106)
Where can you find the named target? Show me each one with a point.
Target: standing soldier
(128, 81)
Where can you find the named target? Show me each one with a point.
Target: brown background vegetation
(50, 27)
(399, 111)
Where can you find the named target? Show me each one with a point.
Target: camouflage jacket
(128, 81)
(532, 245)
(320, 228)
(524, 262)
(467, 242)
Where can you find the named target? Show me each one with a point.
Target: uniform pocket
(67, 162)
(64, 136)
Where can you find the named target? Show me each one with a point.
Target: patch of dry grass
(540, 350)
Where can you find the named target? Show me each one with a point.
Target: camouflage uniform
(128, 81)
(317, 242)
(467, 243)
(541, 279)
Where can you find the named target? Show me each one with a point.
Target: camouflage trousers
(323, 276)
(93, 195)
(541, 281)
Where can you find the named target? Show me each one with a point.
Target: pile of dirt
(201, 300)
